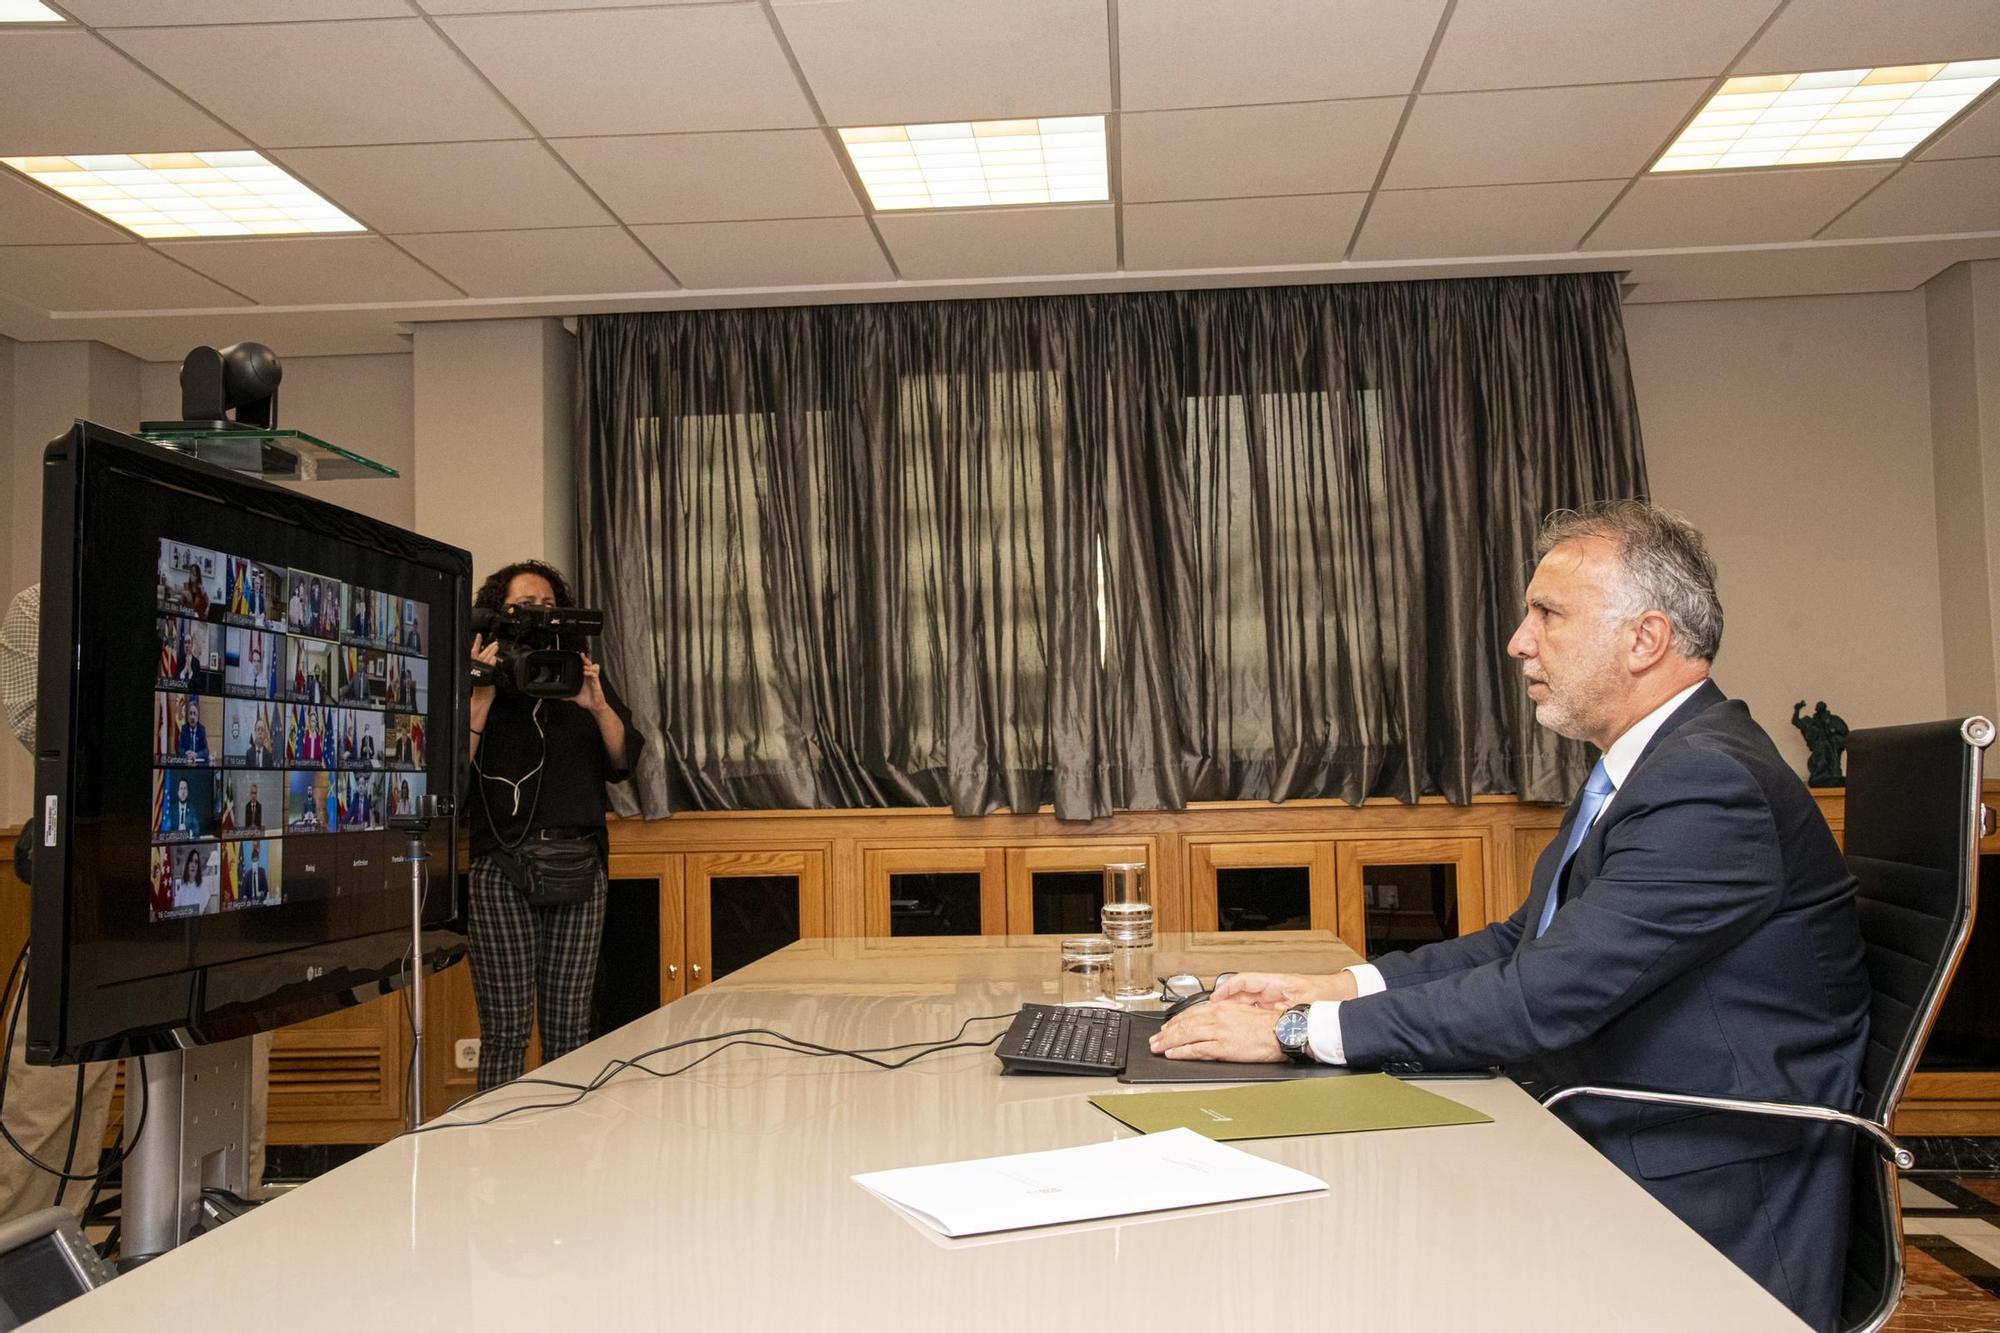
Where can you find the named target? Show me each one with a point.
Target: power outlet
(465, 1054)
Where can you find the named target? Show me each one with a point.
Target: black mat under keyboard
(1050, 1039)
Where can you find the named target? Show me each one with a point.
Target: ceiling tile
(567, 261)
(1732, 207)
(1977, 133)
(449, 186)
(290, 84)
(651, 71)
(1003, 242)
(893, 62)
(1482, 220)
(1539, 134)
(314, 270)
(30, 215)
(1506, 44)
(1929, 199)
(1851, 34)
(1228, 152)
(158, 13)
(1240, 233)
(104, 277)
(799, 252)
(67, 92)
(517, 6)
(1180, 53)
(715, 177)
(1809, 270)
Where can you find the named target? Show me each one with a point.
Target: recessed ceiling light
(972, 164)
(28, 11)
(1841, 115)
(162, 195)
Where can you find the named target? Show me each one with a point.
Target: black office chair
(1914, 820)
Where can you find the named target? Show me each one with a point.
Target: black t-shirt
(568, 791)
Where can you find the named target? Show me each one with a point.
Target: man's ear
(1652, 639)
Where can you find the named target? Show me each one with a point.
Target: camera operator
(540, 766)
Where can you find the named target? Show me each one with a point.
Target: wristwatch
(1291, 1034)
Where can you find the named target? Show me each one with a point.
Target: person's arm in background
(20, 644)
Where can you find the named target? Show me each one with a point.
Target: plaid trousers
(521, 954)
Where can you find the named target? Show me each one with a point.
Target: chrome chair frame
(1975, 822)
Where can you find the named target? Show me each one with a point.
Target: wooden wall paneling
(450, 1017)
(704, 868)
(1204, 856)
(1466, 854)
(339, 1078)
(880, 863)
(1024, 862)
(1528, 840)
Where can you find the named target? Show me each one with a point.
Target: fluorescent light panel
(1841, 115)
(974, 164)
(165, 195)
(28, 11)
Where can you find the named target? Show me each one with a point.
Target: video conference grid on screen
(288, 708)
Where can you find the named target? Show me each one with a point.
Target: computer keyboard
(1051, 1039)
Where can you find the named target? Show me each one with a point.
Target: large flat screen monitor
(244, 694)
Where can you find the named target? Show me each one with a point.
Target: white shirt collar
(1625, 751)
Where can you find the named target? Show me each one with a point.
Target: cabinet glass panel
(1067, 902)
(750, 916)
(1263, 897)
(628, 968)
(1967, 1034)
(934, 903)
(1409, 905)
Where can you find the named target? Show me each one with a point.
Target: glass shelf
(284, 455)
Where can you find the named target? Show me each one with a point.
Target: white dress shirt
(1323, 1017)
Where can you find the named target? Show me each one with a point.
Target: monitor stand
(197, 1136)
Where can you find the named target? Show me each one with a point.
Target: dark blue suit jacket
(1707, 942)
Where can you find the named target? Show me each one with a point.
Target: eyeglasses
(1187, 986)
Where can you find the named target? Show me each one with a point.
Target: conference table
(720, 1198)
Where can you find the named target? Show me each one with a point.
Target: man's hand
(1282, 990)
(1234, 1032)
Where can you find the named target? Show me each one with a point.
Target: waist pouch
(551, 874)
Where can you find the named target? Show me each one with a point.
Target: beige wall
(1796, 433)
(1963, 309)
(494, 422)
(52, 385)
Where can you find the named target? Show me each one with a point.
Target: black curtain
(1101, 552)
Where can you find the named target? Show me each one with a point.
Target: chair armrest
(1885, 1142)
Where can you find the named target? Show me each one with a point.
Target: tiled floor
(1951, 1230)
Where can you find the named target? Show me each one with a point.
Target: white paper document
(1174, 1169)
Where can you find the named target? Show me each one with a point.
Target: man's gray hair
(1666, 563)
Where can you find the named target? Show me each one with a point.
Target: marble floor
(1951, 1233)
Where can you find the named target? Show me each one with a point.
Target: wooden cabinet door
(1465, 855)
(885, 914)
(339, 1078)
(740, 905)
(1315, 858)
(1024, 864)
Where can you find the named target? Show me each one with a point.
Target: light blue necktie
(1597, 790)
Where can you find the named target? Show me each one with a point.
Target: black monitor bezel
(214, 1001)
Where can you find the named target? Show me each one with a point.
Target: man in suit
(254, 885)
(1692, 927)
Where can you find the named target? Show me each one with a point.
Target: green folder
(1280, 1110)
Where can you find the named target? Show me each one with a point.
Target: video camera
(533, 660)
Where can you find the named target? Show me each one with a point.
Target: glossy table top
(720, 1198)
